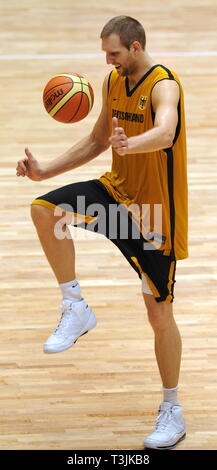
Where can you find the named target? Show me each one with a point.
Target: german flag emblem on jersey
(142, 102)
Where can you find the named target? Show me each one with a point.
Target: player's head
(123, 40)
(128, 29)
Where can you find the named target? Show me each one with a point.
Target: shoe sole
(86, 329)
(167, 447)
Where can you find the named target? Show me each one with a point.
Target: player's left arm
(165, 98)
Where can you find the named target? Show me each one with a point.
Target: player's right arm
(85, 150)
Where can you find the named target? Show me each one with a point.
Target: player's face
(119, 56)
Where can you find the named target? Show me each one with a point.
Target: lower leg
(170, 425)
(59, 252)
(168, 354)
(167, 340)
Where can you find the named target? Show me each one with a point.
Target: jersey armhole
(178, 127)
(109, 79)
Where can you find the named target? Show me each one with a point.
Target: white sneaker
(170, 427)
(76, 320)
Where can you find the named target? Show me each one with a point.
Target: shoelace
(163, 419)
(63, 325)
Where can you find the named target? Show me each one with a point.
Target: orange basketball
(68, 97)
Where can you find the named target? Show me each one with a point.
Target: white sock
(171, 395)
(71, 290)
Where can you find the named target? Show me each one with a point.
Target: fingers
(22, 165)
(115, 129)
(28, 153)
(117, 132)
(122, 150)
(118, 139)
(114, 125)
(21, 169)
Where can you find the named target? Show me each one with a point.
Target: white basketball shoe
(76, 320)
(170, 428)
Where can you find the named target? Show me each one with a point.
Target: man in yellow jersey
(142, 118)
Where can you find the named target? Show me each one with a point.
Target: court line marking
(99, 55)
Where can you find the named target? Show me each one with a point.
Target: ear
(135, 46)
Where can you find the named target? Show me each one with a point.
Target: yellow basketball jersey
(152, 185)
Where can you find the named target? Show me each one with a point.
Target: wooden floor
(104, 392)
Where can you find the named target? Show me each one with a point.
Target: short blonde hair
(128, 29)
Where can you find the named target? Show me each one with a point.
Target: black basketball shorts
(94, 209)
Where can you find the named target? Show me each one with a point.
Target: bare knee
(39, 213)
(49, 224)
(159, 314)
(42, 216)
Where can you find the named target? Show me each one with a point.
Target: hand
(118, 139)
(29, 166)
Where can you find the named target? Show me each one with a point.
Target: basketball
(68, 97)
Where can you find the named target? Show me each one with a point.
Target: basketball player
(142, 119)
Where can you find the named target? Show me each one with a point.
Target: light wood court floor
(104, 392)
